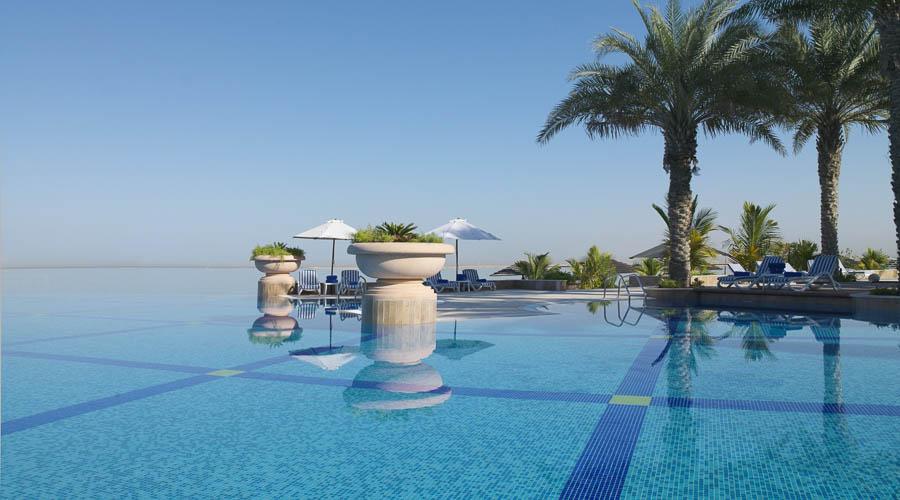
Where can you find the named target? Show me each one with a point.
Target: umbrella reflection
(457, 349)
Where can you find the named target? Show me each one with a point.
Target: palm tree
(649, 267)
(696, 69)
(800, 253)
(886, 14)
(757, 235)
(596, 270)
(833, 82)
(703, 223)
(534, 266)
(873, 259)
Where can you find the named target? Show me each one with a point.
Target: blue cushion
(461, 277)
(482, 280)
(790, 274)
(740, 274)
(443, 281)
(331, 278)
(776, 268)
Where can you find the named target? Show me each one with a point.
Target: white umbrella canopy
(333, 230)
(460, 229)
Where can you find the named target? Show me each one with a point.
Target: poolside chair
(351, 281)
(821, 271)
(439, 284)
(307, 309)
(309, 281)
(749, 278)
(476, 282)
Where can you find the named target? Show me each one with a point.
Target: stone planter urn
(277, 270)
(398, 296)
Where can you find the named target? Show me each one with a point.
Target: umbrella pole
(332, 257)
(457, 259)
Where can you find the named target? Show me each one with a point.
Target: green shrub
(595, 270)
(667, 283)
(394, 233)
(873, 259)
(557, 274)
(885, 291)
(535, 266)
(277, 249)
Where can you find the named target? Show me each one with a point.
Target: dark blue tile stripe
(255, 365)
(573, 397)
(21, 424)
(864, 409)
(603, 465)
(110, 362)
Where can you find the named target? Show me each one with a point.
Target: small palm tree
(873, 259)
(833, 82)
(400, 232)
(596, 270)
(800, 253)
(757, 235)
(535, 266)
(703, 223)
(695, 69)
(649, 267)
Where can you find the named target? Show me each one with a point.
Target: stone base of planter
(398, 344)
(399, 302)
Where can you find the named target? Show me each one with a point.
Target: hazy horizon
(170, 133)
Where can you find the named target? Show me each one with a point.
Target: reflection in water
(276, 326)
(458, 349)
(398, 379)
(330, 357)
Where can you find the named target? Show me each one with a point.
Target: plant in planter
(277, 261)
(400, 259)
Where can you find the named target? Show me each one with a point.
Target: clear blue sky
(185, 132)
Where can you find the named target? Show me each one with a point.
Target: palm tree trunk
(887, 22)
(680, 158)
(830, 145)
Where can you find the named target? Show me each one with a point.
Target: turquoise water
(171, 383)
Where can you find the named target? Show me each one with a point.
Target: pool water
(171, 383)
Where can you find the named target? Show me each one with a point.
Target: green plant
(649, 267)
(799, 253)
(885, 291)
(277, 249)
(558, 274)
(703, 223)
(695, 70)
(535, 266)
(394, 233)
(595, 270)
(873, 259)
(667, 283)
(844, 278)
(757, 235)
(398, 231)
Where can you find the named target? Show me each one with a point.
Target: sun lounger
(476, 282)
(745, 277)
(439, 284)
(351, 281)
(821, 271)
(309, 281)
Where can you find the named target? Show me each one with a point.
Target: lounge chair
(351, 281)
(307, 309)
(439, 284)
(747, 277)
(822, 270)
(476, 282)
(309, 281)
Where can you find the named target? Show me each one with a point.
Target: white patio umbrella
(458, 229)
(333, 230)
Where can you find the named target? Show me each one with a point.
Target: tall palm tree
(833, 82)
(886, 14)
(695, 69)
(703, 223)
(757, 235)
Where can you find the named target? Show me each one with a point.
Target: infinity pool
(170, 383)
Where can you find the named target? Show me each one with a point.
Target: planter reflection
(276, 326)
(398, 379)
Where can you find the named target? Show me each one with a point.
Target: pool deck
(517, 303)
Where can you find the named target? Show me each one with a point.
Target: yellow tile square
(224, 373)
(620, 399)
